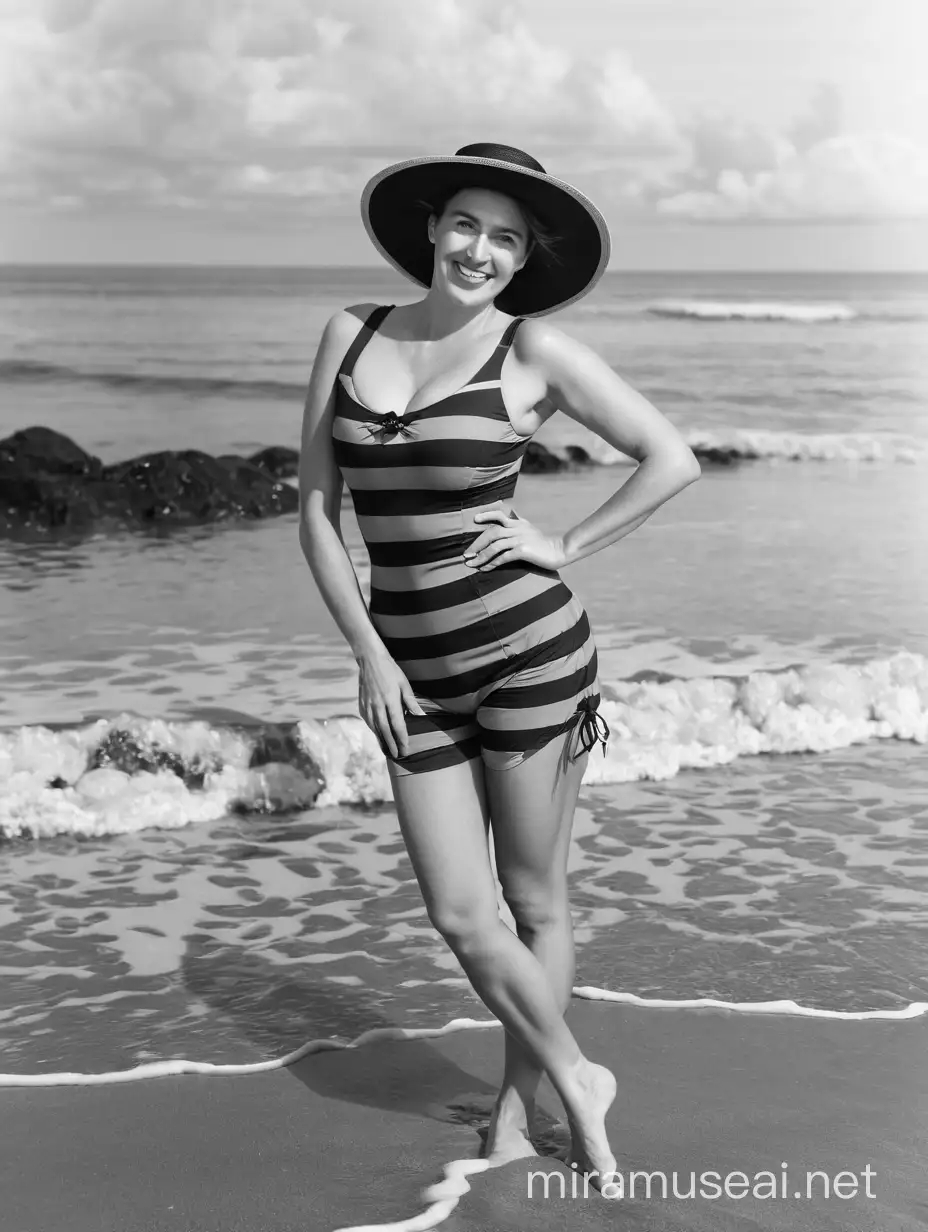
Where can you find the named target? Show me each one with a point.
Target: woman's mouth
(474, 277)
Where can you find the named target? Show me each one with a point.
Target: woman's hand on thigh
(383, 692)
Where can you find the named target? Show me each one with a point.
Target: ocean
(759, 828)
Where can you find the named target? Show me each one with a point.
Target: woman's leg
(442, 816)
(532, 807)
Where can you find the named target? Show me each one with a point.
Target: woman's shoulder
(344, 325)
(539, 343)
(352, 317)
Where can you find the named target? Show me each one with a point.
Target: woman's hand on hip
(509, 538)
(383, 692)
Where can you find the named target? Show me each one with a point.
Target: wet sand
(353, 1137)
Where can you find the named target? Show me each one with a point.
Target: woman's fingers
(503, 558)
(482, 542)
(492, 550)
(385, 697)
(397, 721)
(383, 729)
(503, 520)
(410, 701)
(497, 513)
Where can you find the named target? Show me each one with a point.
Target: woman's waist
(455, 587)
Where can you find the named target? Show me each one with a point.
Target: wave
(750, 444)
(752, 310)
(26, 370)
(129, 773)
(732, 445)
(177, 1066)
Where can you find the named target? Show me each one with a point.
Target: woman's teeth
(470, 275)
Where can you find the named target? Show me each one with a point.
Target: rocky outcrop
(277, 460)
(48, 482)
(717, 455)
(538, 460)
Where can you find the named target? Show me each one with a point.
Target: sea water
(758, 829)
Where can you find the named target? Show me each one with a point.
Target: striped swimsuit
(501, 661)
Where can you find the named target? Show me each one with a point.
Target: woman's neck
(436, 317)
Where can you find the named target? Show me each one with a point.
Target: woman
(477, 669)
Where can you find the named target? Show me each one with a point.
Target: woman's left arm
(583, 385)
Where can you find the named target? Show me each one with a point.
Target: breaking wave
(752, 310)
(130, 773)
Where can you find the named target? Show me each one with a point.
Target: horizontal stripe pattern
(426, 502)
(461, 603)
(426, 453)
(499, 658)
(487, 632)
(478, 675)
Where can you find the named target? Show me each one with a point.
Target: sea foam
(196, 771)
(752, 310)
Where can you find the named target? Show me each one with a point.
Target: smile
(469, 275)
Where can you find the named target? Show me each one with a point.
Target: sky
(713, 134)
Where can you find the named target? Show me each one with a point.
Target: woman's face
(481, 241)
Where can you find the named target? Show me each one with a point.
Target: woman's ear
(433, 219)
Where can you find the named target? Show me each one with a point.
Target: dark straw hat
(395, 207)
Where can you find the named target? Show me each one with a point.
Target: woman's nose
(477, 248)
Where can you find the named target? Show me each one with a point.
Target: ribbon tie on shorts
(388, 426)
(593, 727)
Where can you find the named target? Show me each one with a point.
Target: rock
(43, 449)
(276, 787)
(717, 455)
(280, 744)
(120, 750)
(285, 775)
(541, 461)
(191, 486)
(31, 497)
(277, 460)
(49, 482)
(578, 455)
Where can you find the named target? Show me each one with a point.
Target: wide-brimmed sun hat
(396, 203)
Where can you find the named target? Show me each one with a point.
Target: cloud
(165, 104)
(286, 107)
(813, 171)
(823, 119)
(851, 177)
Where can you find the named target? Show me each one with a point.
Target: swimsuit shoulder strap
(506, 340)
(370, 326)
(492, 370)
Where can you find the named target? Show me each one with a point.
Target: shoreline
(357, 1136)
(181, 1066)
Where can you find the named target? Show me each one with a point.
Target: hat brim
(395, 209)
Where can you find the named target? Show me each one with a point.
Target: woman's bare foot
(509, 1135)
(593, 1094)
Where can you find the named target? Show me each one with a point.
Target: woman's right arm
(383, 689)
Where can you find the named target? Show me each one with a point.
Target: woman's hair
(539, 236)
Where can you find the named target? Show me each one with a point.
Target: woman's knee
(538, 908)
(464, 925)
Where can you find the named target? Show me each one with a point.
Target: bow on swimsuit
(501, 661)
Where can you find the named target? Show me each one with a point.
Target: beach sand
(352, 1137)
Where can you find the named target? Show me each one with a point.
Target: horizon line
(381, 269)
